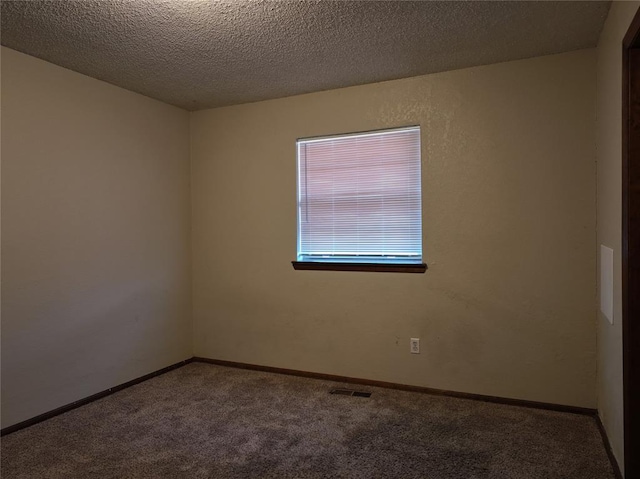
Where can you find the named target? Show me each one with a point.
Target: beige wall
(609, 159)
(95, 236)
(95, 244)
(507, 306)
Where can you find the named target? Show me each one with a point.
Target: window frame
(333, 265)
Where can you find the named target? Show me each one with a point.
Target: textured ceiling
(199, 54)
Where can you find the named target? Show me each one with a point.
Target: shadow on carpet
(206, 421)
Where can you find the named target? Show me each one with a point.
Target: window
(359, 202)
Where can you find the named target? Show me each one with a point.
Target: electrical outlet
(414, 345)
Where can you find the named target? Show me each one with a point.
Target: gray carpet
(205, 421)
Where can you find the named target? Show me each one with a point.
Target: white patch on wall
(606, 282)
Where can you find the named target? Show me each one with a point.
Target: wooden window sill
(370, 267)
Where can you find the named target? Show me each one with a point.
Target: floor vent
(350, 392)
(361, 394)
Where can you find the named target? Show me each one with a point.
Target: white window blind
(359, 198)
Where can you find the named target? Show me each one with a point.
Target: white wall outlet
(414, 345)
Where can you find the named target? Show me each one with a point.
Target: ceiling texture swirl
(199, 54)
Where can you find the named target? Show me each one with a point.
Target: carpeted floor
(205, 421)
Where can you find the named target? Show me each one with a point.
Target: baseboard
(326, 377)
(87, 400)
(607, 446)
(403, 387)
